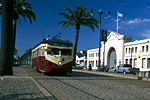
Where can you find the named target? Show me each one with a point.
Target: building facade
(92, 58)
(81, 58)
(137, 54)
(119, 49)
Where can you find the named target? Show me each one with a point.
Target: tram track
(41, 87)
(77, 88)
(99, 86)
(73, 83)
(112, 88)
(47, 89)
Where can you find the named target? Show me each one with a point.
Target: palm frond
(66, 23)
(69, 10)
(66, 16)
(91, 22)
(29, 14)
(23, 8)
(91, 26)
(26, 4)
(78, 17)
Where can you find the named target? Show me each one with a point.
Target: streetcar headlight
(59, 62)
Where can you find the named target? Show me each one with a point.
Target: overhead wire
(42, 31)
(116, 5)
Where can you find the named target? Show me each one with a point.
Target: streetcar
(53, 54)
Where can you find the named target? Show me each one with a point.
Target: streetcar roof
(56, 42)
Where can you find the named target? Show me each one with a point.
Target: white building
(120, 50)
(92, 58)
(137, 54)
(81, 58)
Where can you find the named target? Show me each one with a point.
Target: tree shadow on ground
(22, 96)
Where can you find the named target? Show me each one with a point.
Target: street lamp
(100, 13)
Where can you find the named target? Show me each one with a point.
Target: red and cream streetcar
(53, 54)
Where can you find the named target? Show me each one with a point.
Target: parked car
(134, 70)
(111, 70)
(126, 68)
(16, 63)
(80, 66)
(106, 69)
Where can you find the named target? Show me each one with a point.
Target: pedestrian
(90, 67)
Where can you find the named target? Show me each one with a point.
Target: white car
(111, 70)
(80, 66)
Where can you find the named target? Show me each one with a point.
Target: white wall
(119, 43)
(142, 62)
(116, 41)
(94, 59)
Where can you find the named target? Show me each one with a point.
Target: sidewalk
(129, 76)
(21, 86)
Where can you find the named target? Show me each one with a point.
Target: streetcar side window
(37, 52)
(66, 52)
(52, 51)
(42, 49)
(33, 54)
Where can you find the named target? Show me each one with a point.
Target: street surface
(86, 86)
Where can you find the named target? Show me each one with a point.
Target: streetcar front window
(52, 51)
(66, 52)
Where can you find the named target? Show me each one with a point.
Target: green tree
(76, 18)
(21, 8)
(6, 38)
(23, 58)
(26, 57)
(28, 54)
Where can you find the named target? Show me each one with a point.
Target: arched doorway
(112, 57)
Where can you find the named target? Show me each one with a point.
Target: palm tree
(6, 38)
(26, 57)
(23, 8)
(76, 18)
(28, 54)
(23, 58)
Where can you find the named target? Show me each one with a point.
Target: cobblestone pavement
(86, 86)
(19, 87)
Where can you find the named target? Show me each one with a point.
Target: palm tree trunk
(14, 35)
(27, 60)
(30, 59)
(6, 38)
(77, 28)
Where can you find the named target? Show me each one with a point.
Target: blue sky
(135, 22)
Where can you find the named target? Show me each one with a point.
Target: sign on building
(104, 35)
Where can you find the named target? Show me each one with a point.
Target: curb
(114, 75)
(47, 94)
